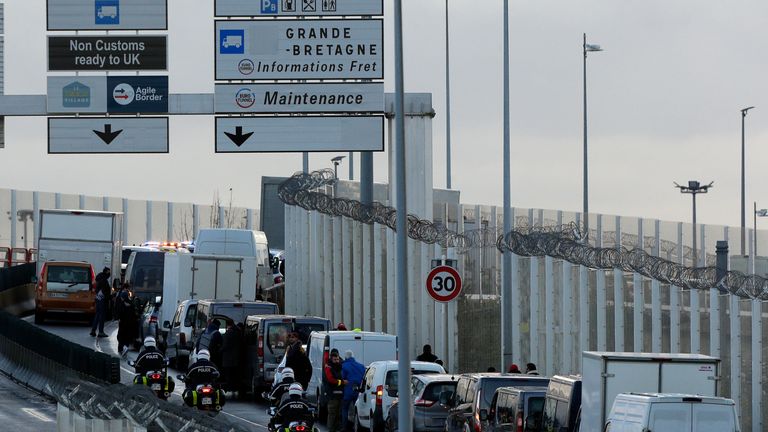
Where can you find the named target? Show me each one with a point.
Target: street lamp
(760, 213)
(693, 188)
(586, 48)
(336, 161)
(743, 193)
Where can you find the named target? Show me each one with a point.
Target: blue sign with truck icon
(107, 12)
(232, 41)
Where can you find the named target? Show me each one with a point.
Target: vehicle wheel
(39, 317)
(356, 426)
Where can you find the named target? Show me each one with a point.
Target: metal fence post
(602, 304)
(148, 222)
(656, 295)
(533, 320)
(12, 217)
(618, 296)
(583, 308)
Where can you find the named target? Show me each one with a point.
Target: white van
(241, 243)
(670, 412)
(367, 347)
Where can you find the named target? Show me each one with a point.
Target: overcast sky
(664, 105)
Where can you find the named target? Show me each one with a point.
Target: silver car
(428, 413)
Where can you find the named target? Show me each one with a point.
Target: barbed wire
(566, 242)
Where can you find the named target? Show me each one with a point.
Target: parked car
(379, 389)
(562, 407)
(65, 286)
(516, 409)
(661, 412)
(428, 413)
(266, 339)
(474, 393)
(367, 346)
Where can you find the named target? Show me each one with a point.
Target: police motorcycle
(295, 404)
(152, 370)
(203, 395)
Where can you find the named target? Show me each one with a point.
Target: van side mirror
(445, 397)
(483, 415)
(166, 324)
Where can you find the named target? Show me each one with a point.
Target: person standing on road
(352, 372)
(103, 293)
(426, 355)
(334, 389)
(126, 333)
(230, 355)
(211, 340)
(297, 360)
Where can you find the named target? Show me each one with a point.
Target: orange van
(65, 286)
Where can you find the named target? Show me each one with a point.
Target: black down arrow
(238, 137)
(107, 136)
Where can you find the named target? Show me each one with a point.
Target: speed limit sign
(444, 283)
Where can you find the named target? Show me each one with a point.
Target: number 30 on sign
(444, 283)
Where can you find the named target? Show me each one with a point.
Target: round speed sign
(444, 283)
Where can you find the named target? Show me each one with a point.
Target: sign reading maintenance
(113, 94)
(91, 53)
(299, 98)
(107, 14)
(299, 134)
(108, 135)
(227, 8)
(299, 49)
(77, 94)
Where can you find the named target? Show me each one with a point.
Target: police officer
(281, 389)
(150, 358)
(294, 408)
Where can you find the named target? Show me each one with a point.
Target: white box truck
(606, 374)
(81, 235)
(198, 276)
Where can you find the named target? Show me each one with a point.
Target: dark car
(474, 393)
(562, 407)
(428, 413)
(517, 409)
(148, 325)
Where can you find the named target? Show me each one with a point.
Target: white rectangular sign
(77, 94)
(108, 135)
(107, 14)
(299, 134)
(299, 49)
(270, 8)
(300, 98)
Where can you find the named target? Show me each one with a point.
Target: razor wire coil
(566, 242)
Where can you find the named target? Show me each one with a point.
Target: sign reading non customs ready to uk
(106, 53)
(296, 134)
(107, 14)
(299, 49)
(225, 8)
(300, 98)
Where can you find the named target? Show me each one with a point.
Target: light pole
(693, 188)
(586, 48)
(336, 161)
(447, 104)
(743, 187)
(760, 213)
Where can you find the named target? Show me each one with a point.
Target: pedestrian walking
(352, 372)
(333, 385)
(126, 328)
(103, 293)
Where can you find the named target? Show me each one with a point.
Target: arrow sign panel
(107, 135)
(299, 134)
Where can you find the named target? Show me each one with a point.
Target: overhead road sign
(107, 14)
(80, 135)
(299, 49)
(107, 53)
(299, 134)
(300, 98)
(113, 94)
(271, 8)
(443, 283)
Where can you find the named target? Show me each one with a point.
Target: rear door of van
(377, 347)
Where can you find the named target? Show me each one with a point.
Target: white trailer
(606, 374)
(81, 235)
(198, 276)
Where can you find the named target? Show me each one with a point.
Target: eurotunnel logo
(245, 67)
(76, 95)
(245, 98)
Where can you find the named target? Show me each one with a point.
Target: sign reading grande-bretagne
(103, 53)
(299, 49)
(107, 14)
(299, 98)
(271, 8)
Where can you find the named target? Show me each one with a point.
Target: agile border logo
(138, 94)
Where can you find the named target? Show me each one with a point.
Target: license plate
(58, 295)
(157, 387)
(207, 401)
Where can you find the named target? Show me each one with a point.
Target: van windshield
(147, 272)
(277, 338)
(239, 312)
(304, 329)
(70, 275)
